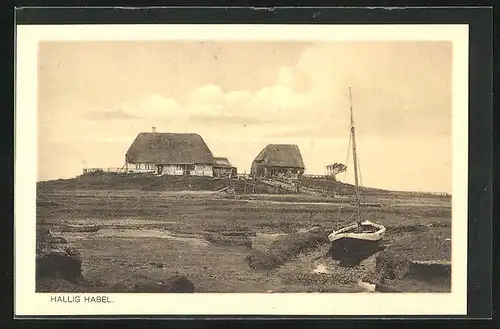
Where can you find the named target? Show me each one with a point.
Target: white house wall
(142, 168)
(172, 170)
(203, 170)
(199, 170)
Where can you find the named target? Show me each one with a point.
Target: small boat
(361, 239)
(356, 241)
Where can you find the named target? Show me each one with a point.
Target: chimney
(154, 130)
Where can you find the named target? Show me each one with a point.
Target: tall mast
(355, 159)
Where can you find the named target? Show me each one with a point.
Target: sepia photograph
(274, 164)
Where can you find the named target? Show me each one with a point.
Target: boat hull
(353, 250)
(349, 246)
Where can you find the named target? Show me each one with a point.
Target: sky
(95, 97)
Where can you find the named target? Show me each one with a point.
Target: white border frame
(27, 302)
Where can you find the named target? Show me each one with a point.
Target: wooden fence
(111, 169)
(328, 177)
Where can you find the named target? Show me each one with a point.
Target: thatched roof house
(278, 160)
(222, 162)
(222, 167)
(171, 153)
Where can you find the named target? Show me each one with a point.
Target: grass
(150, 182)
(228, 240)
(284, 249)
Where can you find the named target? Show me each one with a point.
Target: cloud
(208, 94)
(275, 103)
(383, 96)
(209, 104)
(157, 106)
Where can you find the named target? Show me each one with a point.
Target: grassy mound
(427, 244)
(230, 230)
(132, 181)
(331, 186)
(150, 182)
(409, 263)
(229, 239)
(285, 248)
(55, 259)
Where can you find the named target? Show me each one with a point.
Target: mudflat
(147, 236)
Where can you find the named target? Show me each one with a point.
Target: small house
(170, 154)
(278, 160)
(223, 168)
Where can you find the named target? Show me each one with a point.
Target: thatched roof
(280, 155)
(222, 162)
(169, 148)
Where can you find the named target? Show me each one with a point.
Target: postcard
(241, 170)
